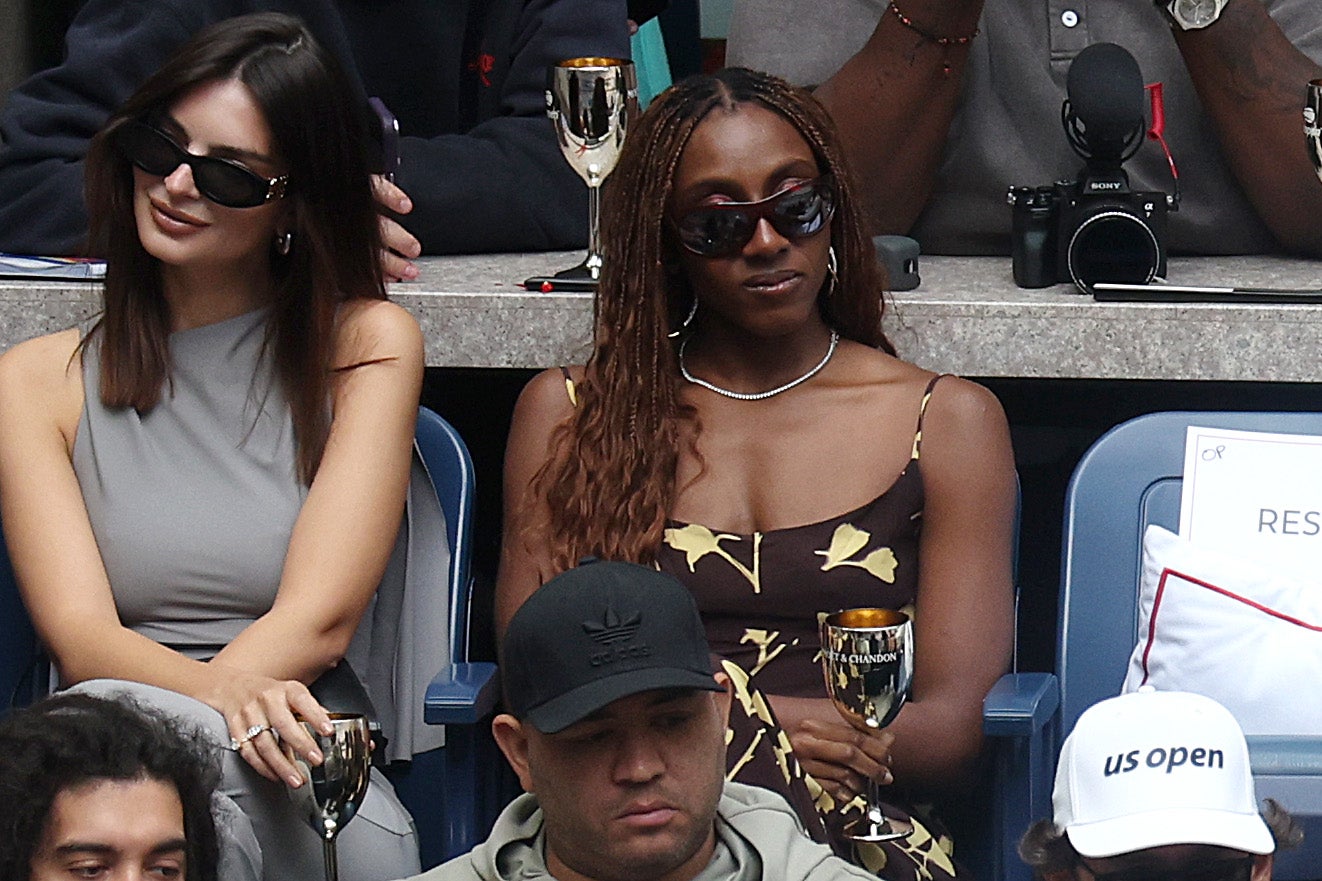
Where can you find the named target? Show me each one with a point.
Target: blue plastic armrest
(1285, 756)
(1020, 704)
(461, 694)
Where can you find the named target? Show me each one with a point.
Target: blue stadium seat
(23, 670)
(455, 792)
(1018, 723)
(1130, 478)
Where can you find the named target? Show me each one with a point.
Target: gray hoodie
(758, 838)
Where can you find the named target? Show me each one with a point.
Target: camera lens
(1113, 245)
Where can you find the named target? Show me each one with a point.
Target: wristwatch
(1190, 15)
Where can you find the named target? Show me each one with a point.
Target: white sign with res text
(1257, 494)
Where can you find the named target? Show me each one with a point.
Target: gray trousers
(262, 835)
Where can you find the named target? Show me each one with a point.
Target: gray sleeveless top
(193, 505)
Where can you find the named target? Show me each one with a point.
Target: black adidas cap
(597, 633)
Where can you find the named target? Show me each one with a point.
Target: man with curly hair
(99, 788)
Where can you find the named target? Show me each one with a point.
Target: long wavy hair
(319, 135)
(609, 482)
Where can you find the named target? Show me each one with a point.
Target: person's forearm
(1252, 84)
(936, 747)
(115, 652)
(283, 649)
(333, 569)
(894, 102)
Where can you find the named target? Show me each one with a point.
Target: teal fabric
(649, 61)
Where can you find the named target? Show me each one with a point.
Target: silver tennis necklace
(756, 396)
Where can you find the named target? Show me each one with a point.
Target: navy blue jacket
(465, 78)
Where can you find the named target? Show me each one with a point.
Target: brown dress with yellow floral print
(760, 596)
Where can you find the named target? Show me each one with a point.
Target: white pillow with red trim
(1230, 628)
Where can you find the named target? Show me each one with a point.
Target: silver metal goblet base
(575, 278)
(875, 826)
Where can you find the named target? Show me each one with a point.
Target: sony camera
(1094, 228)
(1085, 231)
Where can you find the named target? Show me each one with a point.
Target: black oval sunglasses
(223, 181)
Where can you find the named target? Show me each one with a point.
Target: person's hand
(400, 247)
(842, 757)
(260, 712)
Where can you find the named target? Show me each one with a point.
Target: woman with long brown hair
(201, 493)
(744, 424)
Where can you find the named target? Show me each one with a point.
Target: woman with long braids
(202, 492)
(744, 424)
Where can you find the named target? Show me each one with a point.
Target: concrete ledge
(967, 317)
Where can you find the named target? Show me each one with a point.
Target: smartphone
(389, 138)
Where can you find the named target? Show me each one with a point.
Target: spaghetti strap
(572, 391)
(922, 411)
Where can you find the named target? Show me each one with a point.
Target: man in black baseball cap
(617, 732)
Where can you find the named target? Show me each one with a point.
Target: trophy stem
(593, 261)
(874, 825)
(332, 863)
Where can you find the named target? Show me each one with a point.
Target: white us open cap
(1153, 768)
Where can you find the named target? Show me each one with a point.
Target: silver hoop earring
(832, 270)
(688, 319)
(283, 242)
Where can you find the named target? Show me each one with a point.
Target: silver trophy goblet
(867, 659)
(1313, 124)
(333, 791)
(590, 102)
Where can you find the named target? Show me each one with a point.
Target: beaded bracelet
(944, 42)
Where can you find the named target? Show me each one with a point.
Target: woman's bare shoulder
(41, 366)
(965, 432)
(550, 396)
(952, 396)
(962, 402)
(887, 374)
(373, 330)
(41, 383)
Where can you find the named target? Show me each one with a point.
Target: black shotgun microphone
(1103, 113)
